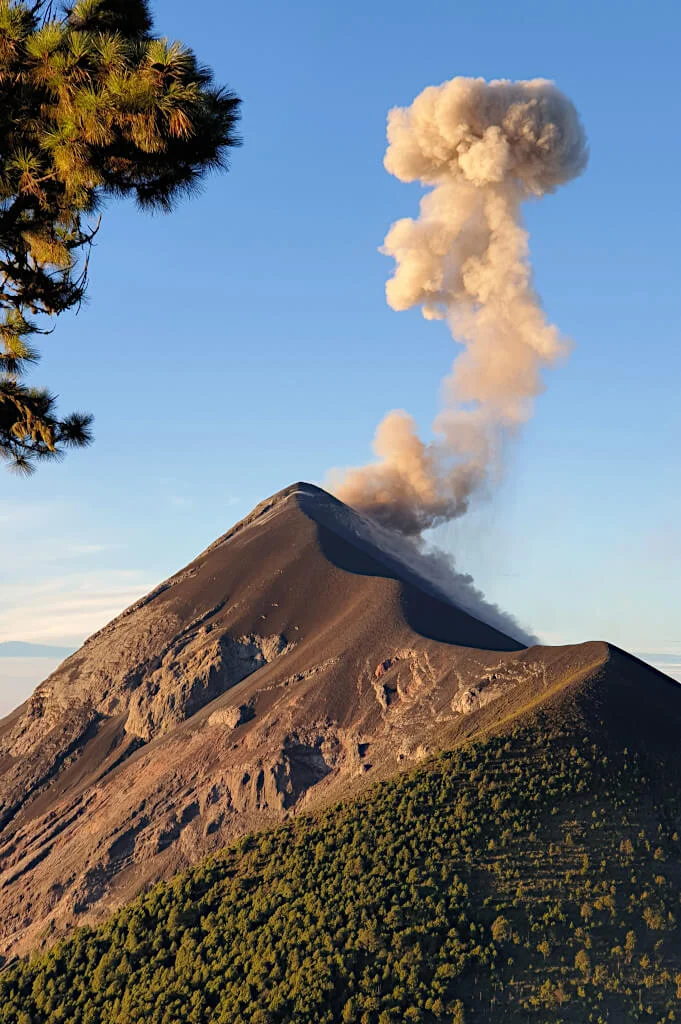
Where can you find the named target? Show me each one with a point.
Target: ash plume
(482, 149)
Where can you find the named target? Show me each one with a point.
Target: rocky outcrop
(497, 684)
(231, 717)
(288, 666)
(193, 672)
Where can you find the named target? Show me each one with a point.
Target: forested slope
(531, 876)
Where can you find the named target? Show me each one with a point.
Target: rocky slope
(528, 876)
(300, 657)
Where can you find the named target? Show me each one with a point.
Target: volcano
(303, 655)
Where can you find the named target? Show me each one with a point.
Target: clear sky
(244, 342)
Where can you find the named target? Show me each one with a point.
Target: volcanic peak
(304, 654)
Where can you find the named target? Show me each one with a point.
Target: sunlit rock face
(296, 660)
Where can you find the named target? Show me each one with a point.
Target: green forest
(533, 876)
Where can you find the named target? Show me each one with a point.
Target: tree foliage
(92, 105)
(452, 894)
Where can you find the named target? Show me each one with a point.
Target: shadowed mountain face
(300, 657)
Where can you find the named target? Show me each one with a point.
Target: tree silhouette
(92, 105)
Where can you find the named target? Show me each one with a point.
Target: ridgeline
(530, 876)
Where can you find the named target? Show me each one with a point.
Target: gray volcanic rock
(300, 657)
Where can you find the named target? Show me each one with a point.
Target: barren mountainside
(295, 661)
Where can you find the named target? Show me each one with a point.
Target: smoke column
(482, 148)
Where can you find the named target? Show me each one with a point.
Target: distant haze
(20, 649)
(22, 667)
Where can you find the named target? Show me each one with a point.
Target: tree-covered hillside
(531, 877)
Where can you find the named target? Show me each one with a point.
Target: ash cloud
(438, 568)
(482, 149)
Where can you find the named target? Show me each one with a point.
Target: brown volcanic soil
(292, 663)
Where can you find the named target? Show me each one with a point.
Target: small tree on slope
(92, 105)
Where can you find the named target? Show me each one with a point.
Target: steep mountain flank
(298, 659)
(531, 875)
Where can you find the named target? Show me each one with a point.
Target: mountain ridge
(290, 664)
(530, 874)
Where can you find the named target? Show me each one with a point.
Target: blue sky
(244, 342)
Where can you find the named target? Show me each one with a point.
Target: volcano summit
(302, 656)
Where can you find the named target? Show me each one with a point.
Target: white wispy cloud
(86, 549)
(58, 584)
(41, 534)
(66, 609)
